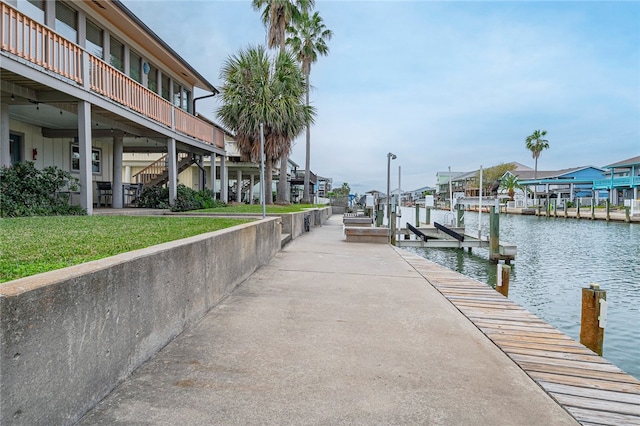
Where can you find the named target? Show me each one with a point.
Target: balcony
(39, 45)
(619, 182)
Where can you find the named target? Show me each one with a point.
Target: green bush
(27, 191)
(187, 199)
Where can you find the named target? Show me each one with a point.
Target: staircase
(157, 173)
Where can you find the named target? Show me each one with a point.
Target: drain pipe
(202, 97)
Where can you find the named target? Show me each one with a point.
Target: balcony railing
(616, 182)
(36, 43)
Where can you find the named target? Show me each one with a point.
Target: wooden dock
(590, 388)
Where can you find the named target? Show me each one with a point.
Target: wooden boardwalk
(590, 388)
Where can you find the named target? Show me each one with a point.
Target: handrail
(30, 40)
(155, 169)
(38, 44)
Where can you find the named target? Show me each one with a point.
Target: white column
(5, 155)
(239, 186)
(172, 165)
(84, 148)
(212, 180)
(224, 194)
(116, 202)
(127, 174)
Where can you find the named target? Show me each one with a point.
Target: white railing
(36, 43)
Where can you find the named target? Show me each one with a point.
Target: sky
(441, 84)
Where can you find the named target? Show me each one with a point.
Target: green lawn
(257, 208)
(32, 245)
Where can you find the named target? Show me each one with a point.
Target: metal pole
(262, 186)
(390, 157)
(480, 206)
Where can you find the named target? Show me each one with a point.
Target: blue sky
(442, 84)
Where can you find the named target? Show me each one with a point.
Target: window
(186, 100)
(33, 9)
(177, 90)
(95, 40)
(135, 67)
(116, 58)
(152, 79)
(66, 22)
(96, 159)
(165, 87)
(15, 148)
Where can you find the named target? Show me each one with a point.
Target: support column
(5, 155)
(251, 185)
(224, 193)
(84, 148)
(116, 199)
(172, 165)
(239, 186)
(212, 179)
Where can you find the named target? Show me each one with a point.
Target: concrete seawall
(70, 336)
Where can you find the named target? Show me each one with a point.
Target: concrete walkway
(330, 333)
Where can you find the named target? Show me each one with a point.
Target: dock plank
(593, 390)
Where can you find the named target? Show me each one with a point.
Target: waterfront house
(566, 184)
(85, 82)
(622, 182)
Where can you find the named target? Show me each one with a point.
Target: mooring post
(555, 208)
(627, 214)
(418, 215)
(594, 317)
(428, 214)
(577, 208)
(494, 234)
(608, 204)
(459, 216)
(502, 279)
(393, 228)
(593, 209)
(566, 206)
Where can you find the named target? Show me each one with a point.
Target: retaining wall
(69, 337)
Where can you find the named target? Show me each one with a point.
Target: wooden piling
(593, 209)
(428, 214)
(577, 208)
(417, 215)
(494, 234)
(627, 214)
(593, 318)
(460, 216)
(608, 204)
(503, 278)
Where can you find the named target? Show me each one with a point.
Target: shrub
(187, 199)
(27, 191)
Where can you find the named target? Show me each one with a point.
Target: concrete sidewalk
(329, 333)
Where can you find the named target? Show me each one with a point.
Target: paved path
(331, 333)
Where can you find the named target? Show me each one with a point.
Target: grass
(32, 245)
(257, 208)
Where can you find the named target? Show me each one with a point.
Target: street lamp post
(390, 157)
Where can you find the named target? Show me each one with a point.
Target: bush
(27, 191)
(187, 199)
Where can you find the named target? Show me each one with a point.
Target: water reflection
(556, 258)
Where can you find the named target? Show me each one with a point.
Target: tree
(308, 38)
(258, 89)
(492, 175)
(276, 16)
(344, 190)
(536, 144)
(510, 183)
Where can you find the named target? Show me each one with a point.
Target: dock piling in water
(502, 279)
(593, 318)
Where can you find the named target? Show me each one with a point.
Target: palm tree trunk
(307, 161)
(281, 196)
(268, 181)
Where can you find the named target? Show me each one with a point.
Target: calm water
(556, 258)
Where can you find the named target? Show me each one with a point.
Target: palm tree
(536, 144)
(309, 38)
(257, 89)
(510, 183)
(276, 16)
